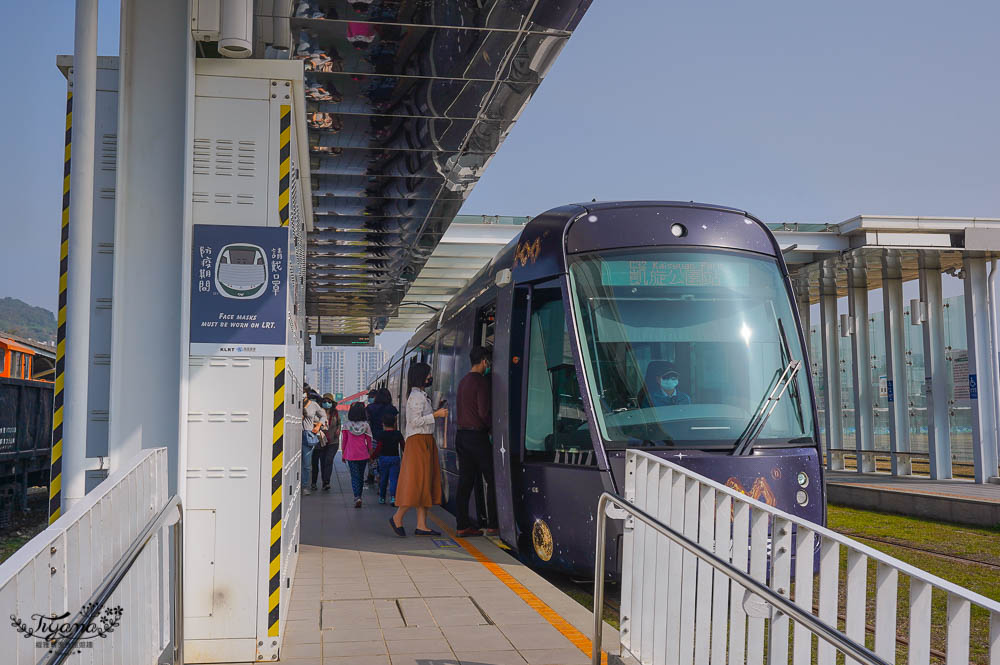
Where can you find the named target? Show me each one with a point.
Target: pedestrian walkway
(953, 500)
(363, 596)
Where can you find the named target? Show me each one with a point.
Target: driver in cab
(662, 380)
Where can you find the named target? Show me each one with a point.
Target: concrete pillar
(981, 379)
(864, 414)
(79, 259)
(152, 243)
(895, 361)
(935, 368)
(831, 364)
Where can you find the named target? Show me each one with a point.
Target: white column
(81, 220)
(895, 362)
(148, 386)
(864, 421)
(935, 368)
(981, 379)
(831, 368)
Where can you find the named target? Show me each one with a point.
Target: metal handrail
(171, 515)
(834, 637)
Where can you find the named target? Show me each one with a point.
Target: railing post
(599, 556)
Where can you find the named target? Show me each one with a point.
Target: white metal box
(244, 413)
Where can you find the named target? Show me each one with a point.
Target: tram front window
(681, 348)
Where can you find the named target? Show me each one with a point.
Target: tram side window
(3, 361)
(555, 419)
(15, 364)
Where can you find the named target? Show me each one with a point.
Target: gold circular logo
(541, 538)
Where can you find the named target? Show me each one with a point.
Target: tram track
(942, 555)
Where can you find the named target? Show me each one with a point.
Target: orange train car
(20, 361)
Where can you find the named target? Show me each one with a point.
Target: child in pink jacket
(356, 444)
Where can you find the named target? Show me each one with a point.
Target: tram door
(558, 480)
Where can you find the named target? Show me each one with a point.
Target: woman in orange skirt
(420, 471)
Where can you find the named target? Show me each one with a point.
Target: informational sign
(883, 386)
(239, 290)
(973, 387)
(890, 394)
(960, 376)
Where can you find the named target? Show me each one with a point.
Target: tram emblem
(760, 491)
(528, 251)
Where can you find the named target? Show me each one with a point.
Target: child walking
(356, 444)
(388, 447)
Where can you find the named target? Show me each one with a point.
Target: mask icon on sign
(241, 271)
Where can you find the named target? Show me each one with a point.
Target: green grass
(982, 544)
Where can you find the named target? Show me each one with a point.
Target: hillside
(19, 318)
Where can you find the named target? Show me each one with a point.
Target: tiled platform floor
(362, 596)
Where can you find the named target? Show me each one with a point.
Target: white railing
(102, 583)
(690, 593)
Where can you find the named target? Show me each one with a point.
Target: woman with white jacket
(420, 471)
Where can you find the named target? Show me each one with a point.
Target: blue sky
(794, 111)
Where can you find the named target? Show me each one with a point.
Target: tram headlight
(803, 479)
(678, 230)
(802, 498)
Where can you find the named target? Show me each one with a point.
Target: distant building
(344, 370)
(369, 361)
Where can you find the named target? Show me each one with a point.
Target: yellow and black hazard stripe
(284, 166)
(55, 470)
(277, 462)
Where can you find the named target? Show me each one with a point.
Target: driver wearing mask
(662, 380)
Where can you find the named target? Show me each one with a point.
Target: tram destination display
(239, 277)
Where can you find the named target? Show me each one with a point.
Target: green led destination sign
(674, 273)
(327, 339)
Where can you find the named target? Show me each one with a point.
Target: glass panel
(683, 348)
(959, 405)
(556, 420)
(3, 360)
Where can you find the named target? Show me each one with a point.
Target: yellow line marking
(565, 628)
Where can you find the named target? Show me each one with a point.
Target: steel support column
(864, 406)
(892, 316)
(981, 380)
(831, 365)
(935, 368)
(79, 258)
(152, 248)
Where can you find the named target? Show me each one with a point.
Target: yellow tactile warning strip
(284, 161)
(55, 469)
(277, 463)
(564, 627)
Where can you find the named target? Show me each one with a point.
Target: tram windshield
(681, 348)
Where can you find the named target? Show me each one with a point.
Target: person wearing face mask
(662, 381)
(420, 471)
(326, 449)
(473, 445)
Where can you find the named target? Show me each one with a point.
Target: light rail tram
(667, 327)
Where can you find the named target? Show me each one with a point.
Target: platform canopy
(407, 103)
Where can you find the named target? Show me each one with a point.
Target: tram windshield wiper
(744, 444)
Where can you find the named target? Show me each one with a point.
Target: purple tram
(654, 325)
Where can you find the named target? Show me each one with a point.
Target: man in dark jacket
(472, 443)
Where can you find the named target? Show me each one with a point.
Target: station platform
(954, 500)
(363, 596)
